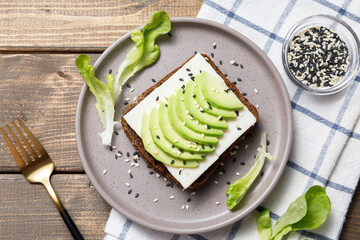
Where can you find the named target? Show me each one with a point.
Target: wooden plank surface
(43, 90)
(27, 211)
(76, 25)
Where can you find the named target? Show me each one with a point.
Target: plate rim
(236, 217)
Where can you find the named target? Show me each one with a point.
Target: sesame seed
(127, 160)
(132, 89)
(183, 207)
(156, 200)
(187, 206)
(171, 197)
(130, 191)
(157, 175)
(176, 140)
(136, 195)
(246, 146)
(104, 171)
(256, 91)
(127, 184)
(212, 55)
(214, 45)
(132, 164)
(157, 152)
(220, 62)
(237, 174)
(217, 203)
(216, 182)
(193, 193)
(129, 171)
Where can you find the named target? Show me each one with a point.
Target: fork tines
(15, 153)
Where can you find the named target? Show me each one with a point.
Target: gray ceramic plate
(188, 35)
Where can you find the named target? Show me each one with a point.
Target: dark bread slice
(160, 167)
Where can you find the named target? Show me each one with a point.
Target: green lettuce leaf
(145, 51)
(237, 190)
(103, 93)
(264, 224)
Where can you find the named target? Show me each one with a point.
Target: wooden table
(39, 41)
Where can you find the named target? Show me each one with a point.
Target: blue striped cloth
(326, 128)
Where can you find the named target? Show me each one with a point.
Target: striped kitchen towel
(326, 129)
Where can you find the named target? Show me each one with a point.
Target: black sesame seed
(111, 148)
(242, 163)
(207, 126)
(220, 62)
(148, 166)
(169, 34)
(212, 55)
(236, 64)
(211, 146)
(237, 113)
(126, 103)
(234, 83)
(110, 71)
(228, 182)
(136, 153)
(225, 75)
(166, 105)
(183, 86)
(181, 150)
(116, 156)
(181, 79)
(239, 79)
(172, 146)
(238, 128)
(184, 162)
(244, 94)
(136, 195)
(190, 74)
(183, 91)
(128, 85)
(214, 46)
(203, 156)
(157, 136)
(194, 96)
(202, 146)
(267, 142)
(157, 98)
(131, 176)
(172, 161)
(188, 200)
(192, 78)
(130, 191)
(151, 172)
(195, 52)
(187, 69)
(234, 160)
(241, 66)
(120, 152)
(128, 154)
(135, 160)
(116, 132)
(153, 80)
(168, 185)
(261, 174)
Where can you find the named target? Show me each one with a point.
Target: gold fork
(38, 168)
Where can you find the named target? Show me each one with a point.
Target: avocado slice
(191, 121)
(175, 138)
(198, 113)
(217, 93)
(187, 132)
(226, 114)
(156, 152)
(159, 139)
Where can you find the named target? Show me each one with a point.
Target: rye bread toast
(160, 167)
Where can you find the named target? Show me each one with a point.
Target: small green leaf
(237, 190)
(264, 224)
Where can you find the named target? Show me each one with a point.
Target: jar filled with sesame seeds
(321, 54)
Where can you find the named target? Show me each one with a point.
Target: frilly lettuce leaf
(145, 51)
(237, 190)
(103, 93)
(264, 224)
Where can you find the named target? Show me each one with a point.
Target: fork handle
(71, 225)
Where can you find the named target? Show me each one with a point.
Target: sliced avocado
(191, 120)
(226, 114)
(194, 108)
(217, 93)
(185, 131)
(159, 139)
(156, 152)
(175, 138)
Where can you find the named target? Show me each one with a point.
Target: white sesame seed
(213, 89)
(104, 171)
(201, 109)
(127, 99)
(132, 89)
(171, 197)
(129, 171)
(214, 44)
(236, 147)
(256, 91)
(202, 98)
(217, 203)
(219, 117)
(246, 146)
(182, 99)
(127, 160)
(113, 147)
(216, 182)
(165, 179)
(187, 206)
(127, 184)
(156, 152)
(183, 207)
(184, 123)
(237, 174)
(187, 111)
(203, 135)
(257, 106)
(176, 140)
(148, 142)
(232, 62)
(132, 164)
(233, 153)
(205, 126)
(158, 175)
(135, 98)
(118, 154)
(193, 193)
(137, 165)
(156, 200)
(221, 173)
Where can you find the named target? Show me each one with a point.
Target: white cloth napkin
(326, 128)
